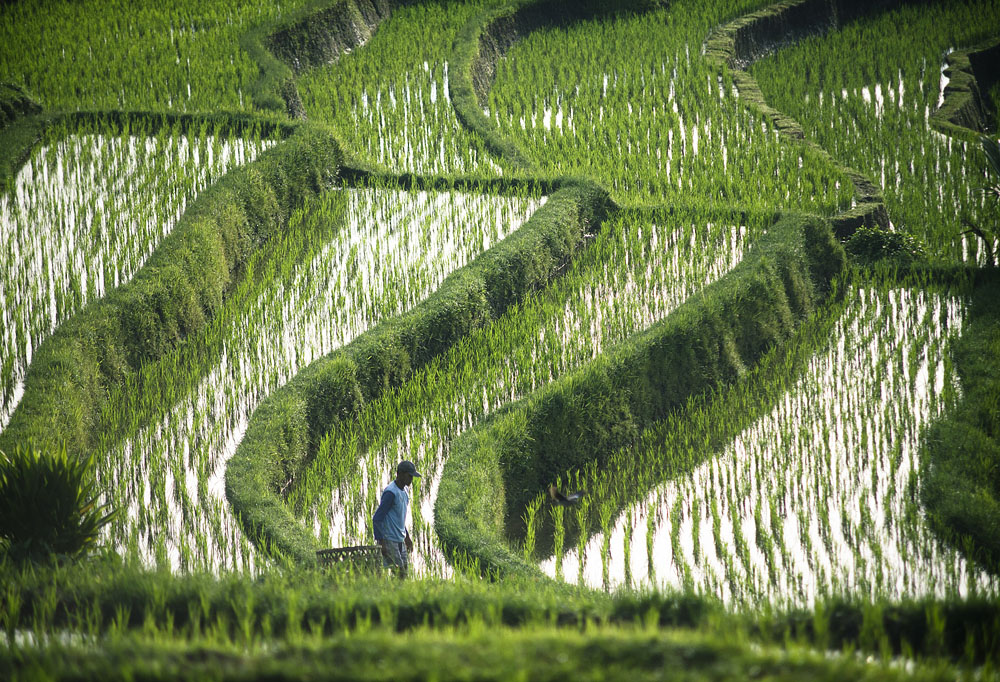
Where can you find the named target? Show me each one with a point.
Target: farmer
(390, 520)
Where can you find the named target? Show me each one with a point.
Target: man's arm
(388, 499)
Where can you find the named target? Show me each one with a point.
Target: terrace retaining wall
(743, 41)
(19, 131)
(961, 451)
(317, 34)
(484, 41)
(174, 295)
(495, 469)
(285, 430)
(966, 110)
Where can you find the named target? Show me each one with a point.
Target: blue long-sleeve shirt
(389, 520)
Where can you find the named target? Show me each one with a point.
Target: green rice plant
(43, 613)
(989, 234)
(399, 246)
(627, 555)
(11, 611)
(530, 525)
(861, 553)
(49, 505)
(184, 56)
(633, 102)
(871, 109)
(660, 260)
(650, 535)
(582, 518)
(559, 536)
(122, 618)
(83, 214)
(390, 100)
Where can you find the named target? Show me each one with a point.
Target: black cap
(406, 467)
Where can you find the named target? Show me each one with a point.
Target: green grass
(632, 102)
(865, 94)
(104, 619)
(560, 381)
(487, 653)
(177, 56)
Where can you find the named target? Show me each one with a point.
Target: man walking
(389, 520)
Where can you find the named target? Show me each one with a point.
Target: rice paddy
(177, 56)
(388, 250)
(817, 498)
(638, 270)
(788, 495)
(86, 210)
(871, 110)
(632, 102)
(391, 100)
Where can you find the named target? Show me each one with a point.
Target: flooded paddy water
(820, 496)
(392, 249)
(639, 271)
(84, 214)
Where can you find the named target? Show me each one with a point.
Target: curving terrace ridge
(320, 35)
(482, 42)
(479, 46)
(965, 109)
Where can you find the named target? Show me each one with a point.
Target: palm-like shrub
(48, 505)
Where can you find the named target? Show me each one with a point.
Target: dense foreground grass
(101, 619)
(481, 653)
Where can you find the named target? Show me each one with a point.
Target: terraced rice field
(631, 101)
(875, 115)
(666, 259)
(839, 515)
(390, 249)
(535, 249)
(85, 212)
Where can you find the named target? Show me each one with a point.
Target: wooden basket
(368, 556)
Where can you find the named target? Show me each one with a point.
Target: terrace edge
(470, 63)
(315, 34)
(960, 451)
(739, 43)
(19, 130)
(174, 294)
(965, 112)
(285, 430)
(709, 341)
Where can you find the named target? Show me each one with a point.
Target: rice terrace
(500, 339)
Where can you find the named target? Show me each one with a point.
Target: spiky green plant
(48, 504)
